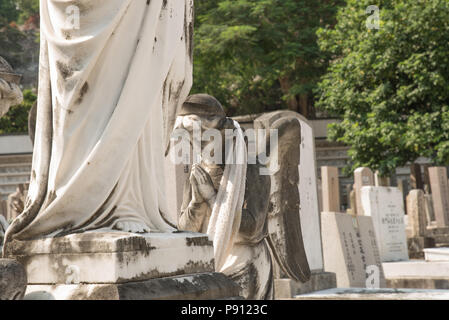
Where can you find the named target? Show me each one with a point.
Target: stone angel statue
(10, 93)
(250, 216)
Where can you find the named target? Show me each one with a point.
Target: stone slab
(350, 249)
(203, 286)
(287, 288)
(376, 294)
(113, 257)
(437, 254)
(429, 283)
(415, 268)
(386, 206)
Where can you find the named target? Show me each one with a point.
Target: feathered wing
(284, 225)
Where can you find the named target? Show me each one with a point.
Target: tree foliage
(390, 86)
(259, 55)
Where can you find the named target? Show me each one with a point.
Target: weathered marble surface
(308, 186)
(202, 286)
(112, 257)
(13, 280)
(108, 96)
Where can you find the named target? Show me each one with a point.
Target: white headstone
(386, 206)
(350, 250)
(308, 190)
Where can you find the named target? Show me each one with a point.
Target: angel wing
(284, 225)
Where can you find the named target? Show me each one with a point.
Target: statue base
(118, 265)
(200, 286)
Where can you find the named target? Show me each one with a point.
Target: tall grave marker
(440, 195)
(386, 206)
(351, 251)
(362, 177)
(330, 189)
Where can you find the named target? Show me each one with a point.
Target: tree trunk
(292, 103)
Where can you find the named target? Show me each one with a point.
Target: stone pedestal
(319, 280)
(118, 265)
(201, 286)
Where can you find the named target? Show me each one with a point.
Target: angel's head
(202, 116)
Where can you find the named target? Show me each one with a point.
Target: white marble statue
(109, 90)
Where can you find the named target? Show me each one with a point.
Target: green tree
(28, 8)
(8, 12)
(390, 86)
(16, 120)
(259, 55)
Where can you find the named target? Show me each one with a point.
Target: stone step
(437, 254)
(375, 294)
(15, 178)
(416, 268)
(15, 168)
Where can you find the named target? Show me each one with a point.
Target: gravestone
(330, 189)
(380, 181)
(417, 225)
(430, 213)
(386, 206)
(362, 177)
(416, 213)
(309, 211)
(308, 188)
(426, 178)
(416, 179)
(350, 250)
(440, 195)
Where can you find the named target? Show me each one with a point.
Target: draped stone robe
(108, 95)
(249, 262)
